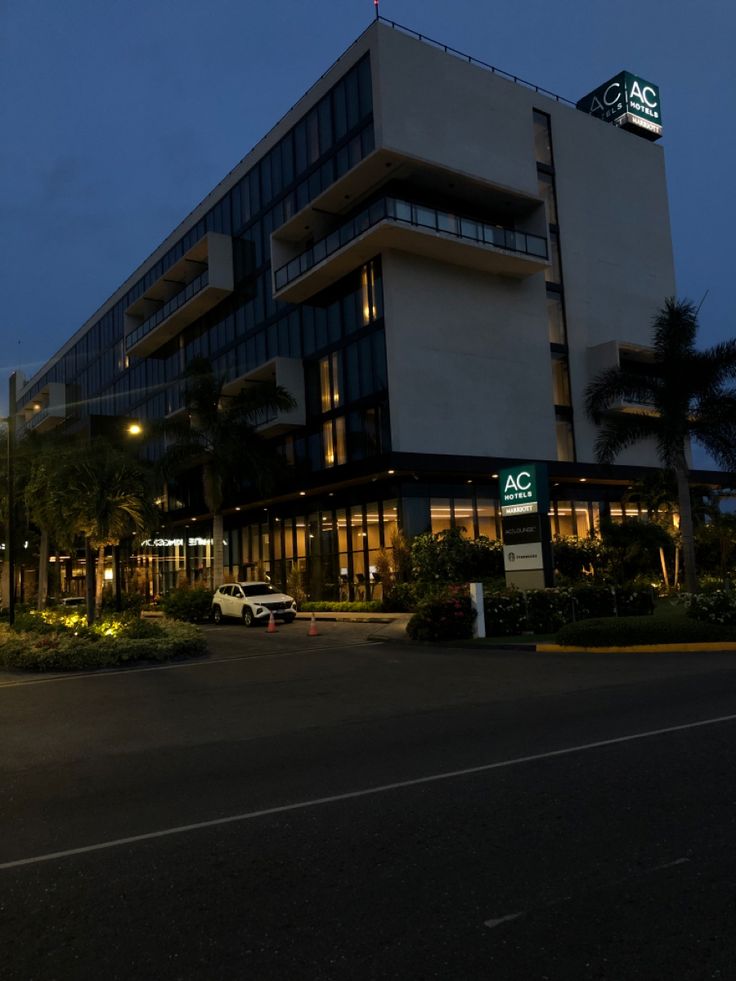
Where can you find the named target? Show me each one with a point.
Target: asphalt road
(326, 808)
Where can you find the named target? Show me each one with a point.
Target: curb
(722, 646)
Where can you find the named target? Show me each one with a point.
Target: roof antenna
(375, 7)
(702, 302)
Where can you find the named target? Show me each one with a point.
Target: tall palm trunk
(89, 580)
(43, 569)
(218, 558)
(687, 533)
(99, 578)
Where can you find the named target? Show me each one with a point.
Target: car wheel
(289, 618)
(217, 614)
(248, 618)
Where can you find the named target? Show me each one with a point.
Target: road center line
(367, 792)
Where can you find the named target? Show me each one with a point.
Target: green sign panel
(523, 488)
(628, 101)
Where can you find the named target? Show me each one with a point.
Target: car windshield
(259, 589)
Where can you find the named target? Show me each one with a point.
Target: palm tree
(685, 396)
(220, 436)
(105, 495)
(41, 458)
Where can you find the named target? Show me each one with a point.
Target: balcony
(289, 374)
(185, 292)
(46, 410)
(391, 223)
(633, 358)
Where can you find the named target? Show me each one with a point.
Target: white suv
(252, 602)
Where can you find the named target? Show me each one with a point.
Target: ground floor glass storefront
(331, 545)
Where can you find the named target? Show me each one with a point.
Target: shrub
(630, 631)
(547, 610)
(573, 556)
(505, 613)
(189, 603)
(632, 548)
(365, 606)
(447, 617)
(593, 601)
(717, 607)
(451, 557)
(399, 598)
(66, 650)
(633, 601)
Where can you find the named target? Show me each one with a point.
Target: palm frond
(614, 386)
(620, 431)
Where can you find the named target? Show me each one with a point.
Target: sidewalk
(383, 626)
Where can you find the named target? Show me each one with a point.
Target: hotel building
(434, 259)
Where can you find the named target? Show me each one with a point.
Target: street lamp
(10, 537)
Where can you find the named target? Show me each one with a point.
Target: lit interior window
(368, 293)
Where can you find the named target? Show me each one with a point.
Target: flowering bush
(716, 607)
(444, 617)
(505, 613)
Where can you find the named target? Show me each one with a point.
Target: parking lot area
(231, 639)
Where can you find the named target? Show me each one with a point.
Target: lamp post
(10, 537)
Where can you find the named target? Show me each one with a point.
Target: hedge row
(630, 631)
(63, 650)
(543, 611)
(369, 606)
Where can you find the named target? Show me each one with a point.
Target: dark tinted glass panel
(542, 138)
(364, 87)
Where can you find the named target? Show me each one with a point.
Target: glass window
(390, 522)
(339, 109)
(547, 192)
(352, 98)
(463, 514)
(324, 384)
(324, 115)
(312, 136)
(556, 319)
(542, 138)
(565, 518)
(335, 364)
(487, 518)
(328, 444)
(288, 538)
(582, 519)
(365, 97)
(560, 382)
(439, 508)
(553, 273)
(372, 526)
(341, 454)
(565, 446)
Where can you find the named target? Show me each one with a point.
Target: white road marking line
(668, 865)
(369, 791)
(105, 673)
(502, 919)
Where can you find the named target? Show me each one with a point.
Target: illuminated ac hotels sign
(627, 101)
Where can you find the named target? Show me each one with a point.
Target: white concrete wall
(437, 107)
(616, 247)
(468, 361)
(473, 341)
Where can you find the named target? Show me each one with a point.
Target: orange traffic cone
(312, 632)
(271, 624)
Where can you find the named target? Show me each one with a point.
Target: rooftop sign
(627, 101)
